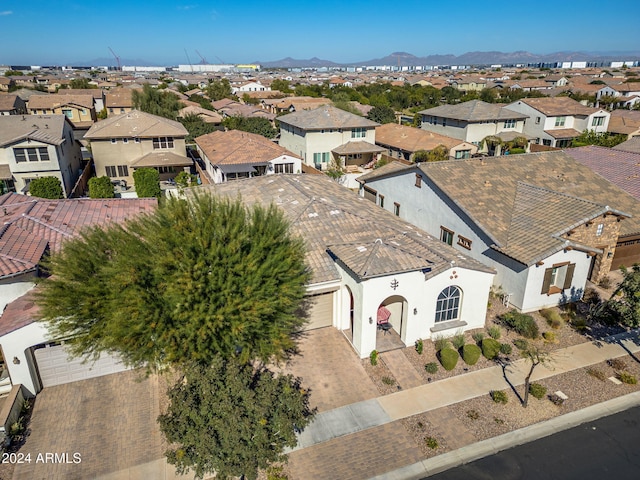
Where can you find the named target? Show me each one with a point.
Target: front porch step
(402, 369)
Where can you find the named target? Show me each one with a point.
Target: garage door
(627, 252)
(321, 311)
(55, 366)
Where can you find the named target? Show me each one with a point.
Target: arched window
(448, 304)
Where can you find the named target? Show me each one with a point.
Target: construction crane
(188, 59)
(116, 57)
(204, 60)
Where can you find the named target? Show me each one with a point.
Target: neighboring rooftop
(41, 128)
(326, 117)
(631, 145)
(559, 106)
(412, 139)
(135, 124)
(54, 101)
(474, 111)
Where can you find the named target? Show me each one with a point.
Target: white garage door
(321, 311)
(56, 367)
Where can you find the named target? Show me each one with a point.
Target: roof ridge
(44, 224)
(562, 194)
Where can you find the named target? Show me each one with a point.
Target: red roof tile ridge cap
(18, 260)
(45, 224)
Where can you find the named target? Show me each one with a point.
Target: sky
(71, 32)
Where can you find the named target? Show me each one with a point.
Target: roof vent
(487, 183)
(361, 248)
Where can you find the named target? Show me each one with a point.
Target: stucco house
(475, 122)
(12, 104)
(367, 262)
(79, 109)
(545, 222)
(32, 228)
(33, 146)
(236, 154)
(556, 121)
(123, 143)
(327, 134)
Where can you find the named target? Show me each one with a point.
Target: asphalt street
(608, 448)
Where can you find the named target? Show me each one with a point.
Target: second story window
(446, 235)
(511, 123)
(358, 132)
(560, 121)
(163, 142)
(39, 154)
(67, 112)
(597, 122)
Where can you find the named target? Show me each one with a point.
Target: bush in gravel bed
(599, 374)
(471, 353)
(505, 349)
(553, 317)
(537, 390)
(521, 343)
(473, 414)
(373, 357)
(448, 358)
(556, 399)
(494, 332)
(626, 377)
(549, 337)
(419, 346)
(388, 380)
(521, 323)
(499, 396)
(431, 442)
(458, 341)
(617, 363)
(440, 343)
(431, 367)
(478, 337)
(490, 348)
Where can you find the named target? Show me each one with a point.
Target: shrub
(147, 182)
(521, 323)
(388, 380)
(100, 187)
(478, 337)
(448, 358)
(591, 296)
(537, 390)
(373, 357)
(473, 414)
(46, 187)
(440, 343)
(617, 363)
(471, 353)
(498, 421)
(605, 282)
(419, 346)
(494, 332)
(549, 337)
(499, 396)
(490, 348)
(579, 323)
(458, 341)
(556, 399)
(16, 428)
(431, 367)
(553, 317)
(599, 374)
(431, 442)
(505, 349)
(521, 343)
(626, 377)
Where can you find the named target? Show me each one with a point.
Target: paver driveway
(110, 421)
(332, 370)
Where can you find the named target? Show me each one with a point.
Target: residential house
(468, 83)
(33, 227)
(33, 146)
(249, 87)
(207, 116)
(293, 104)
(369, 267)
(403, 142)
(325, 134)
(79, 109)
(123, 143)
(96, 93)
(6, 83)
(231, 108)
(625, 122)
(556, 80)
(12, 104)
(118, 101)
(544, 221)
(555, 122)
(476, 122)
(235, 154)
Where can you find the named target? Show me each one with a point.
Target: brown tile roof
(160, 158)
(327, 215)
(235, 147)
(559, 106)
(54, 101)
(42, 128)
(136, 124)
(8, 101)
(624, 121)
(412, 139)
(96, 93)
(118, 98)
(474, 111)
(353, 147)
(631, 145)
(325, 117)
(563, 133)
(619, 167)
(19, 313)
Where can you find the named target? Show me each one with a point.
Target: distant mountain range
(404, 59)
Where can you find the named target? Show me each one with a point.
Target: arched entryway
(392, 311)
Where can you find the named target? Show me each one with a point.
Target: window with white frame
(162, 142)
(560, 121)
(359, 132)
(463, 154)
(283, 168)
(110, 170)
(448, 304)
(446, 235)
(123, 171)
(32, 154)
(67, 112)
(597, 122)
(510, 123)
(599, 229)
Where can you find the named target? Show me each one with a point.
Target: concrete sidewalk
(379, 411)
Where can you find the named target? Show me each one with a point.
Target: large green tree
(147, 182)
(219, 89)
(46, 187)
(623, 307)
(157, 102)
(101, 187)
(232, 419)
(258, 125)
(382, 115)
(196, 126)
(195, 280)
(604, 139)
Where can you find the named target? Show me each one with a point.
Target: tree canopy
(157, 102)
(258, 125)
(147, 182)
(100, 187)
(196, 126)
(604, 139)
(192, 281)
(219, 89)
(232, 419)
(624, 305)
(382, 114)
(46, 187)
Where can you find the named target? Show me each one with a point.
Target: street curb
(508, 440)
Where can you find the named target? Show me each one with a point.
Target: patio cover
(563, 133)
(237, 168)
(162, 159)
(351, 148)
(5, 172)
